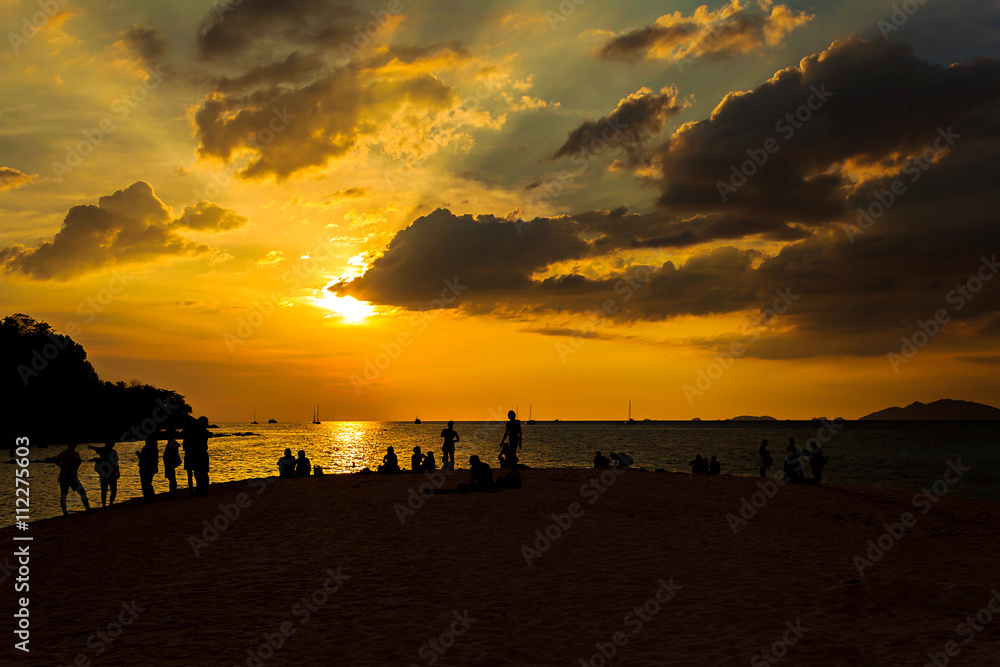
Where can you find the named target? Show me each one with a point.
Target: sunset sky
(445, 210)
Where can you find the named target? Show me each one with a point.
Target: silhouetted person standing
(793, 463)
(448, 448)
(765, 458)
(816, 460)
(286, 464)
(171, 459)
(107, 470)
(69, 467)
(302, 465)
(149, 465)
(512, 435)
(200, 452)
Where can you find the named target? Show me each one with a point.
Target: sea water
(898, 455)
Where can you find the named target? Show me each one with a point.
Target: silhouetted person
(481, 475)
(69, 468)
(189, 456)
(202, 462)
(601, 461)
(390, 463)
(765, 458)
(302, 465)
(149, 465)
(171, 459)
(698, 465)
(416, 461)
(107, 470)
(512, 480)
(512, 434)
(714, 467)
(793, 464)
(508, 456)
(448, 448)
(430, 465)
(286, 464)
(816, 460)
(622, 459)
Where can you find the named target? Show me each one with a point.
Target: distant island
(944, 409)
(748, 418)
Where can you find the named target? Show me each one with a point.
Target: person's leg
(63, 492)
(113, 483)
(83, 495)
(104, 492)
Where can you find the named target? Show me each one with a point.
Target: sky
(400, 209)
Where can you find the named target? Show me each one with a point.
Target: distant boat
(254, 417)
(555, 420)
(417, 420)
(630, 420)
(272, 421)
(316, 415)
(530, 420)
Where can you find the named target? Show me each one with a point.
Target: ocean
(897, 455)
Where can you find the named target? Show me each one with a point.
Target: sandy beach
(640, 568)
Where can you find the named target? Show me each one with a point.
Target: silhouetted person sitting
(448, 448)
(107, 470)
(302, 465)
(149, 465)
(286, 464)
(416, 461)
(430, 465)
(765, 458)
(69, 467)
(508, 456)
(390, 463)
(793, 463)
(601, 461)
(481, 475)
(171, 459)
(512, 480)
(714, 467)
(698, 465)
(816, 460)
(622, 459)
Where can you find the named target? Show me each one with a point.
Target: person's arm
(456, 436)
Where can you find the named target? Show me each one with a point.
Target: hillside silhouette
(52, 393)
(944, 409)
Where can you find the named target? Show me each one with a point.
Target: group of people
(107, 466)
(792, 466)
(702, 466)
(289, 466)
(620, 459)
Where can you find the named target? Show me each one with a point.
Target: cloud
(12, 179)
(210, 217)
(132, 224)
(629, 127)
(145, 42)
(726, 32)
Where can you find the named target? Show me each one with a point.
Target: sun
(350, 310)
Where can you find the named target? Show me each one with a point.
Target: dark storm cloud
(636, 121)
(862, 281)
(146, 43)
(304, 82)
(130, 225)
(726, 32)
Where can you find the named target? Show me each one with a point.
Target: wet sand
(645, 569)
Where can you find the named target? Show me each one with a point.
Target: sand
(455, 572)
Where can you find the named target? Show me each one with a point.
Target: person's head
(791, 447)
(450, 424)
(203, 421)
(151, 440)
(511, 414)
(598, 452)
(430, 455)
(288, 451)
(302, 453)
(791, 441)
(473, 460)
(763, 442)
(416, 450)
(391, 450)
(110, 442)
(70, 446)
(713, 457)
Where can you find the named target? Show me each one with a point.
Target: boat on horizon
(272, 421)
(530, 420)
(254, 417)
(417, 420)
(316, 415)
(630, 420)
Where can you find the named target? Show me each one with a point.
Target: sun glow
(350, 310)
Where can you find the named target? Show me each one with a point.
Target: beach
(577, 567)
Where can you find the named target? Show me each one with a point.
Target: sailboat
(630, 420)
(254, 417)
(530, 420)
(417, 420)
(316, 415)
